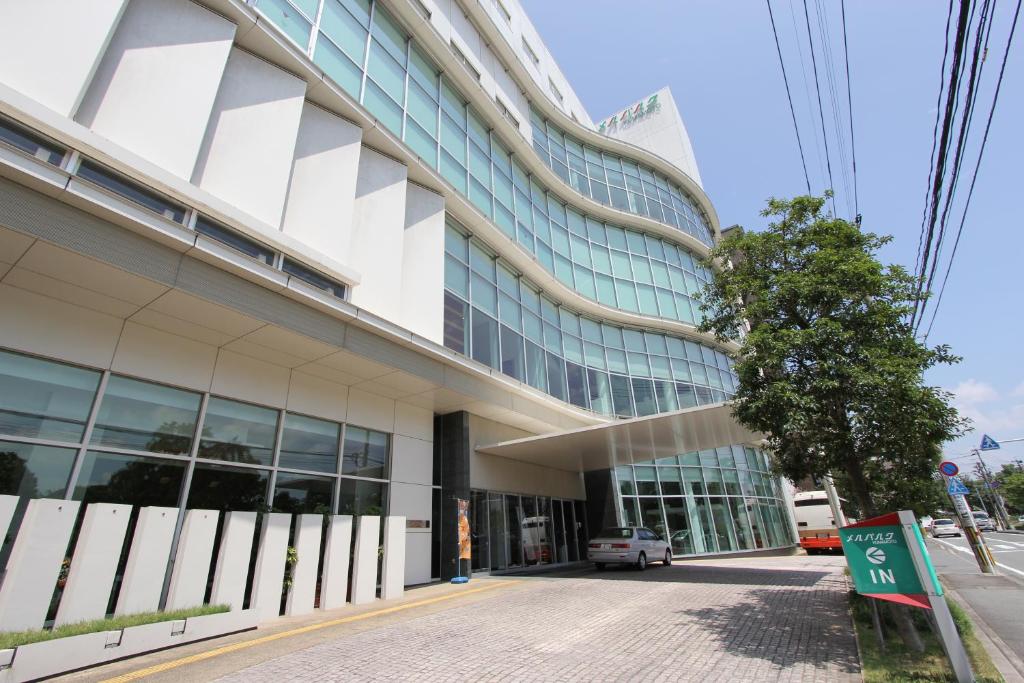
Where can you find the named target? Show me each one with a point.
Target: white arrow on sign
(875, 555)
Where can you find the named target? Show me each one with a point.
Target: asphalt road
(1008, 550)
(997, 599)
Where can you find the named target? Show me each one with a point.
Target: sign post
(888, 561)
(958, 494)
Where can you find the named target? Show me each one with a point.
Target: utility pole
(838, 518)
(995, 497)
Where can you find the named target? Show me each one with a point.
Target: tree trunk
(900, 613)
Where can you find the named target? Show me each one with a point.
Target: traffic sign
(988, 443)
(949, 468)
(957, 488)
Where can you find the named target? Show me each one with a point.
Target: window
(238, 432)
(461, 56)
(422, 9)
(503, 11)
(130, 190)
(44, 400)
(142, 416)
(506, 112)
(556, 92)
(365, 453)
(129, 479)
(228, 237)
(31, 471)
(27, 141)
(308, 443)
(301, 494)
(311, 277)
(216, 487)
(530, 53)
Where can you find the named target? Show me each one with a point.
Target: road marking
(1000, 546)
(234, 647)
(970, 552)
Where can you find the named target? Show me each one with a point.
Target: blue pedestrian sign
(957, 488)
(988, 443)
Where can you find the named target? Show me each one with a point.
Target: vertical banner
(465, 545)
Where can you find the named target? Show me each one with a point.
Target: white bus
(814, 522)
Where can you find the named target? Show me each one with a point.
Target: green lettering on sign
(879, 560)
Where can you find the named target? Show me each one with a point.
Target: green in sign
(880, 561)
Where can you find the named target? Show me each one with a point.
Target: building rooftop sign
(630, 115)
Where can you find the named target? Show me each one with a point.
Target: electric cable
(789, 97)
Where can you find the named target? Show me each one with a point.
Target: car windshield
(980, 515)
(616, 532)
(941, 522)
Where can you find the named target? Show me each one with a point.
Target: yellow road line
(234, 647)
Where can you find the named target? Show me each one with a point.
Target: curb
(1005, 660)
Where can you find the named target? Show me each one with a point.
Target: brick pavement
(777, 619)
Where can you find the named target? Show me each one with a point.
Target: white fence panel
(302, 593)
(269, 579)
(392, 580)
(364, 567)
(94, 564)
(334, 583)
(192, 561)
(35, 563)
(147, 561)
(233, 560)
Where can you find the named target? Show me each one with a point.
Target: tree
(830, 370)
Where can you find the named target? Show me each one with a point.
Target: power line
(977, 165)
(789, 97)
(849, 107)
(821, 114)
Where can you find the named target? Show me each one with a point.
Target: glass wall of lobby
(510, 531)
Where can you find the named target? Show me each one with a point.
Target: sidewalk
(995, 604)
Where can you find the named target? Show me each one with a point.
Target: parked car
(944, 527)
(983, 521)
(633, 545)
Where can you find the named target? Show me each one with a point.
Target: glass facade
(617, 182)
(502, 320)
(714, 501)
(510, 530)
(363, 49)
(68, 432)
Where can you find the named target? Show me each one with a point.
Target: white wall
(246, 157)
(412, 471)
(49, 49)
(323, 182)
(378, 234)
(155, 87)
(423, 265)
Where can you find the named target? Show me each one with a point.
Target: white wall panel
(412, 460)
(94, 563)
(378, 226)
(301, 595)
(423, 264)
(192, 561)
(417, 558)
(246, 378)
(8, 504)
(338, 545)
(34, 563)
(147, 352)
(233, 559)
(49, 49)
(323, 183)
(156, 84)
(246, 156)
(412, 501)
(364, 560)
(370, 410)
(269, 577)
(414, 421)
(316, 396)
(392, 580)
(53, 328)
(147, 561)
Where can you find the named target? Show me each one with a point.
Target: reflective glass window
(44, 400)
(143, 416)
(129, 479)
(309, 443)
(31, 471)
(365, 453)
(238, 432)
(218, 487)
(361, 497)
(302, 494)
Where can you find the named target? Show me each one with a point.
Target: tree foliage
(830, 370)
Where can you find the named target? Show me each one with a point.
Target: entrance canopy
(630, 441)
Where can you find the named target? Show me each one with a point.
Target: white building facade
(361, 258)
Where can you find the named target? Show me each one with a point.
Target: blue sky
(720, 61)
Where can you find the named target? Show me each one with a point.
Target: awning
(630, 441)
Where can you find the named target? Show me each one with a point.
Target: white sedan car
(633, 545)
